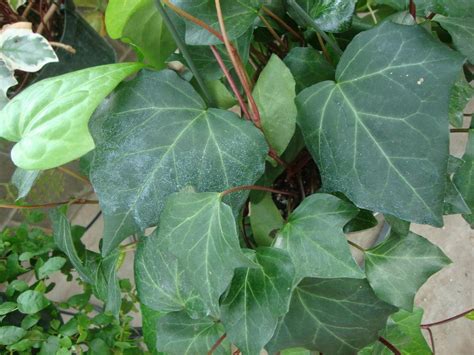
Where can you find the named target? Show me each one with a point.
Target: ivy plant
(251, 135)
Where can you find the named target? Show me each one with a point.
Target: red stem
(255, 187)
(390, 346)
(412, 8)
(216, 345)
(231, 82)
(426, 326)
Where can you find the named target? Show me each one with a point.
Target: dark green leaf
(275, 95)
(10, 334)
(238, 16)
(333, 316)
(30, 302)
(363, 220)
(63, 239)
(397, 225)
(391, 118)
(256, 299)
(398, 267)
(404, 332)
(154, 136)
(161, 284)
(464, 177)
(461, 30)
(178, 334)
(150, 323)
(200, 231)
(329, 15)
(461, 93)
(314, 239)
(308, 67)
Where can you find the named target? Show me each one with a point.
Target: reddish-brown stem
(357, 246)
(323, 48)
(430, 333)
(272, 31)
(231, 81)
(216, 345)
(275, 156)
(412, 8)
(430, 16)
(450, 319)
(390, 346)
(283, 24)
(255, 187)
(78, 201)
(238, 67)
(247, 240)
(193, 19)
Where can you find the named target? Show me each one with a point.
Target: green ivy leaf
(265, 217)
(7, 307)
(308, 67)
(238, 16)
(10, 334)
(49, 118)
(362, 221)
(461, 93)
(154, 136)
(314, 239)
(63, 239)
(329, 15)
(463, 177)
(461, 30)
(139, 22)
(177, 334)
(24, 180)
(275, 95)
(404, 332)
(7, 80)
(391, 119)
(256, 299)
(150, 323)
(200, 231)
(398, 267)
(51, 266)
(31, 302)
(15, 4)
(161, 284)
(470, 315)
(333, 316)
(397, 225)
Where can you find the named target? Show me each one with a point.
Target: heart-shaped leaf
(391, 118)
(49, 119)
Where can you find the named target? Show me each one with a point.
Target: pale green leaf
(30, 302)
(15, 4)
(314, 239)
(329, 15)
(398, 267)
(177, 334)
(332, 316)
(220, 95)
(256, 299)
(21, 49)
(200, 231)
(308, 67)
(461, 30)
(24, 180)
(470, 315)
(155, 136)
(139, 22)
(10, 334)
(390, 115)
(51, 266)
(49, 119)
(265, 217)
(161, 284)
(275, 95)
(63, 239)
(464, 177)
(238, 16)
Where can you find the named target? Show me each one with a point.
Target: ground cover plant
(237, 150)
